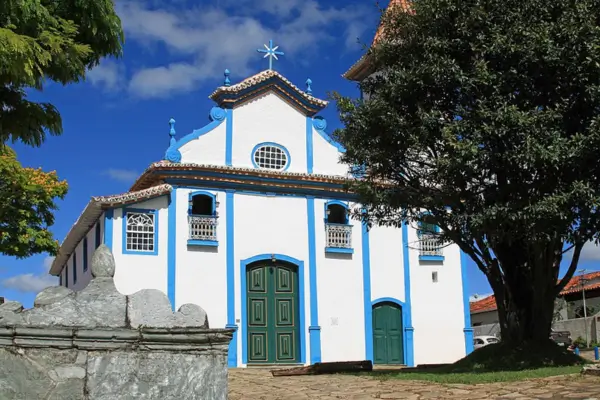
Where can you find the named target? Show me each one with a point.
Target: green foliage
(27, 198)
(485, 115)
(580, 342)
(48, 39)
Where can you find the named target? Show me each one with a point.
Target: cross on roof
(270, 52)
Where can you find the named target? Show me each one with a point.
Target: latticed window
(270, 157)
(140, 232)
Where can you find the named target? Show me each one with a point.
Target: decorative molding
(249, 88)
(217, 114)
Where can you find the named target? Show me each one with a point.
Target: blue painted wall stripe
(301, 300)
(309, 145)
(314, 328)
(409, 355)
(108, 227)
(230, 218)
(368, 309)
(468, 330)
(172, 247)
(229, 137)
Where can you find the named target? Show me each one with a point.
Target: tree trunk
(524, 280)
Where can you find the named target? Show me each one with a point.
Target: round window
(271, 156)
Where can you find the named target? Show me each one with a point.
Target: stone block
(99, 344)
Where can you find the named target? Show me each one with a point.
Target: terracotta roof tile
(403, 4)
(355, 70)
(592, 281)
(484, 305)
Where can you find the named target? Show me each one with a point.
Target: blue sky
(116, 123)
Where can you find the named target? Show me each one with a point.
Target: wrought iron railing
(202, 227)
(338, 236)
(429, 245)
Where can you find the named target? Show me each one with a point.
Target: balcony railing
(202, 227)
(429, 245)
(338, 236)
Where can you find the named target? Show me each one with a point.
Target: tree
(483, 119)
(26, 205)
(58, 40)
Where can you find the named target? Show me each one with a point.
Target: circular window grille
(270, 157)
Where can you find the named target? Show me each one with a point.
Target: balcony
(202, 230)
(430, 248)
(338, 238)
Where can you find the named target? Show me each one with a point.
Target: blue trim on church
(468, 330)
(314, 328)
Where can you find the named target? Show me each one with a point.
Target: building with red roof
(484, 310)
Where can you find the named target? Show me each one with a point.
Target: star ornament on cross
(271, 52)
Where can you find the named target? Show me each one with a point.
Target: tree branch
(571, 271)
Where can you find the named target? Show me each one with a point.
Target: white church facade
(249, 217)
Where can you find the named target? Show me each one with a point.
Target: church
(248, 217)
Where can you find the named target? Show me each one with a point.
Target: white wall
(326, 157)
(340, 288)
(387, 264)
(207, 149)
(268, 118)
(271, 225)
(83, 278)
(135, 272)
(436, 305)
(202, 271)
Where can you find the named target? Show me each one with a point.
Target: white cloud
(32, 283)
(122, 175)
(108, 75)
(590, 252)
(203, 41)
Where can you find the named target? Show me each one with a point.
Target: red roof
(591, 281)
(403, 4)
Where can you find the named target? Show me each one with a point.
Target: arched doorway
(388, 341)
(273, 317)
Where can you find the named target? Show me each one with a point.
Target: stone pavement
(258, 384)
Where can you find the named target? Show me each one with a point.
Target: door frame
(403, 309)
(299, 264)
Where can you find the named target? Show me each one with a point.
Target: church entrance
(387, 334)
(272, 313)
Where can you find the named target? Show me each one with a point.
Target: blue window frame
(269, 155)
(66, 275)
(74, 267)
(338, 231)
(202, 218)
(85, 254)
(429, 247)
(140, 231)
(98, 237)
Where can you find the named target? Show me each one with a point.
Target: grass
(472, 378)
(497, 363)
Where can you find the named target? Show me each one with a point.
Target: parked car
(481, 341)
(561, 338)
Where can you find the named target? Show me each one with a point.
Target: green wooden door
(387, 334)
(272, 301)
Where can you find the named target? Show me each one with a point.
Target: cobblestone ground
(258, 384)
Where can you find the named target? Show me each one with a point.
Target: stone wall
(100, 344)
